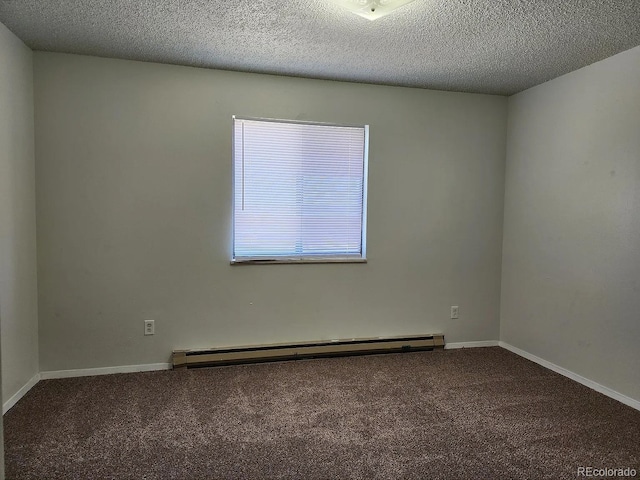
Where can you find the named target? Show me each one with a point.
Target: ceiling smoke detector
(372, 9)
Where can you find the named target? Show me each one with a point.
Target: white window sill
(281, 261)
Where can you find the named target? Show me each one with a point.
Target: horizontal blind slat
(298, 189)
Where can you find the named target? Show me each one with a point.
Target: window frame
(326, 259)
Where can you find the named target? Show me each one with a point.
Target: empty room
(319, 239)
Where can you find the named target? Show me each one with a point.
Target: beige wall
(18, 294)
(18, 283)
(571, 264)
(134, 211)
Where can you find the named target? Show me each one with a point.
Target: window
(299, 191)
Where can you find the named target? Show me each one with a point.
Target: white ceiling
(488, 46)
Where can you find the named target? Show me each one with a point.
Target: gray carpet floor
(463, 414)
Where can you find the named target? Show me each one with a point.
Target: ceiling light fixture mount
(372, 9)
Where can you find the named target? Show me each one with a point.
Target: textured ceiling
(489, 46)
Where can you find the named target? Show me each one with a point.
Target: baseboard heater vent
(302, 350)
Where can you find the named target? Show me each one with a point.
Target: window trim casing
(326, 259)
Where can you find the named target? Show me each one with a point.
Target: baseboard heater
(297, 351)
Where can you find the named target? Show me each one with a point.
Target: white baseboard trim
(20, 393)
(89, 372)
(574, 376)
(484, 343)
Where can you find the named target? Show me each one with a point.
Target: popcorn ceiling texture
(487, 46)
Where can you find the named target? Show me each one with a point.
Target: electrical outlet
(455, 312)
(149, 327)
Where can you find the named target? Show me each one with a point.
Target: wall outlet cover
(149, 327)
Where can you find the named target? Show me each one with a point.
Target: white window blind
(299, 191)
